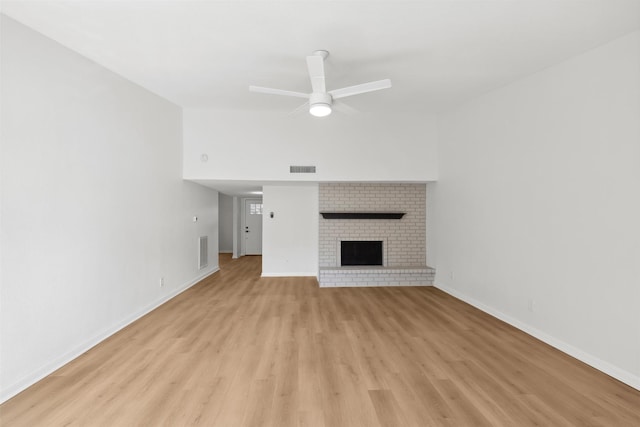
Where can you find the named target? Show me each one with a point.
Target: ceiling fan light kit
(320, 110)
(320, 104)
(320, 100)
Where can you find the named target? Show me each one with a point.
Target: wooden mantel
(362, 215)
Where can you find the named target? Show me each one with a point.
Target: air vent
(203, 252)
(302, 169)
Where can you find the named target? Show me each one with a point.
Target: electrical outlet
(531, 305)
(161, 281)
(451, 275)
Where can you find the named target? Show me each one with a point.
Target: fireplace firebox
(361, 252)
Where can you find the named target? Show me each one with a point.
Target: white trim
(241, 238)
(236, 228)
(28, 380)
(599, 364)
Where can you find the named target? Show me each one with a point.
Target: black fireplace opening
(361, 252)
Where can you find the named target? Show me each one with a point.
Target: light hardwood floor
(238, 350)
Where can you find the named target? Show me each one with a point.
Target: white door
(253, 227)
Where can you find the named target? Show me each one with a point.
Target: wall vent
(203, 252)
(302, 169)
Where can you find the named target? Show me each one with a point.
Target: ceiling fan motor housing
(320, 98)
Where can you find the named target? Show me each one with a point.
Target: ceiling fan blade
(302, 107)
(358, 89)
(271, 91)
(344, 108)
(315, 64)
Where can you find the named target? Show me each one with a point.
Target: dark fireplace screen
(361, 252)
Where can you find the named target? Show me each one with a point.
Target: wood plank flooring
(240, 350)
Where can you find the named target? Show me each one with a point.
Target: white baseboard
(606, 367)
(27, 381)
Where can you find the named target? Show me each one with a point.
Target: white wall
(94, 209)
(225, 223)
(539, 200)
(290, 238)
(359, 147)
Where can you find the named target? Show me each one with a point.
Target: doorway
(252, 227)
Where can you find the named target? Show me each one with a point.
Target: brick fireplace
(403, 240)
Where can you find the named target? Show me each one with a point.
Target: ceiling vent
(302, 169)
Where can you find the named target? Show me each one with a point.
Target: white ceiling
(205, 54)
(438, 54)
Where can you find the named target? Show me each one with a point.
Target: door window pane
(255, 208)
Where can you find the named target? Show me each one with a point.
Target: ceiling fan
(320, 100)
